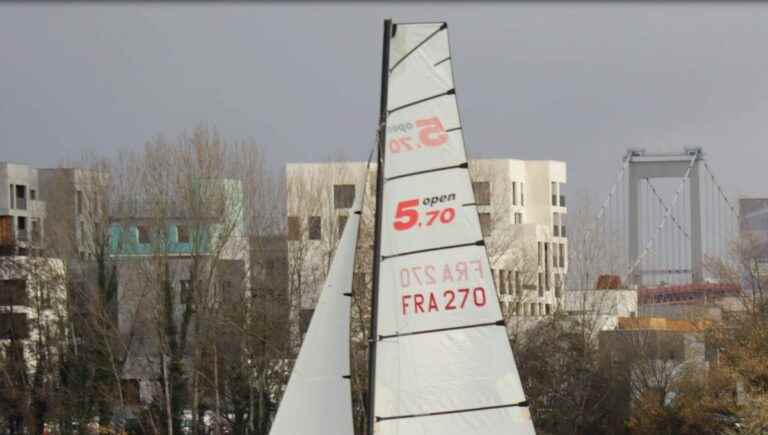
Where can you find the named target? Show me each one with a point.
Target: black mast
(373, 338)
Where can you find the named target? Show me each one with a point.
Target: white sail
(443, 360)
(318, 398)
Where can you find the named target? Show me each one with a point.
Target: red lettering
(452, 296)
(430, 275)
(406, 215)
(418, 300)
(465, 292)
(405, 304)
(479, 296)
(432, 302)
(461, 269)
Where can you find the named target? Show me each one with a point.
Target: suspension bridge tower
(643, 166)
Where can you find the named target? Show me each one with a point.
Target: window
(79, 202)
(562, 225)
(21, 226)
(131, 391)
(21, 197)
(514, 193)
(502, 281)
(485, 223)
(182, 233)
(14, 325)
(143, 233)
(518, 218)
(13, 195)
(82, 232)
(548, 308)
(540, 253)
(534, 306)
(32, 194)
(562, 254)
(294, 228)
(517, 308)
(540, 285)
(556, 224)
(315, 230)
(305, 317)
(522, 194)
(13, 292)
(341, 221)
(343, 195)
(482, 191)
(554, 257)
(518, 284)
(35, 230)
(185, 291)
(554, 193)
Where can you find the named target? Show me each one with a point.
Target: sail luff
(318, 398)
(381, 136)
(443, 360)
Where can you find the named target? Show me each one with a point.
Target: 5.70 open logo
(431, 134)
(407, 215)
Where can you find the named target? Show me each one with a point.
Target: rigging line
(522, 404)
(442, 27)
(664, 206)
(432, 331)
(451, 91)
(661, 224)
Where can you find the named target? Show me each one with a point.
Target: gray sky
(572, 82)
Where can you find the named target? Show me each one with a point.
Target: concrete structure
(603, 307)
(643, 166)
(22, 213)
(522, 211)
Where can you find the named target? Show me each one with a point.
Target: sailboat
(440, 361)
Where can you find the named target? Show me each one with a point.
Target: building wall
(24, 215)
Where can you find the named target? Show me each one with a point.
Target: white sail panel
(423, 71)
(445, 371)
(424, 137)
(432, 210)
(318, 391)
(433, 290)
(502, 421)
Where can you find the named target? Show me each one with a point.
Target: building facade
(522, 211)
(22, 213)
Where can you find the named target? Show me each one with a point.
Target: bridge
(664, 217)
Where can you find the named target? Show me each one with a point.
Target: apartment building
(22, 213)
(522, 209)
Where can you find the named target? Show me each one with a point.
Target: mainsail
(443, 363)
(318, 398)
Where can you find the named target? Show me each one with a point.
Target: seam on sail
(442, 61)
(522, 404)
(453, 328)
(441, 28)
(453, 129)
(464, 165)
(423, 100)
(440, 248)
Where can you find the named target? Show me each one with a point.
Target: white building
(601, 308)
(522, 211)
(21, 211)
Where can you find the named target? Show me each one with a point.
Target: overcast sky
(573, 82)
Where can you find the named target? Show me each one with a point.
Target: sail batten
(443, 360)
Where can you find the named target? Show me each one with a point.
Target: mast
(377, 232)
